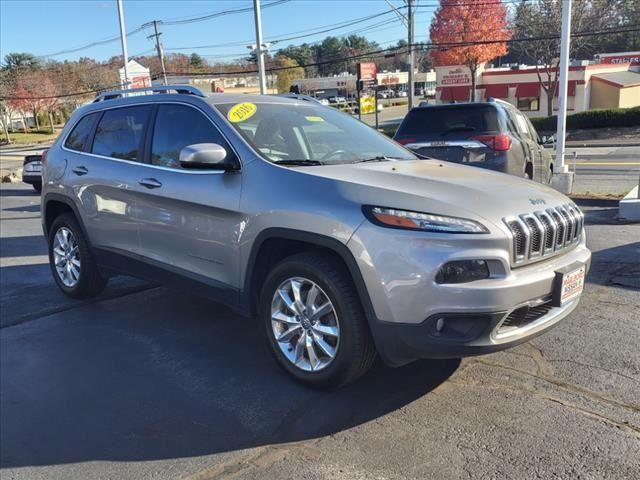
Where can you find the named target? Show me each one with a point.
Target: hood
(440, 187)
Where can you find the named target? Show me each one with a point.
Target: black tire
(356, 350)
(528, 170)
(90, 282)
(37, 187)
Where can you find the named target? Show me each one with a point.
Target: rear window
(119, 133)
(445, 121)
(77, 139)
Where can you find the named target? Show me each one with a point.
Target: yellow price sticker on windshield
(314, 119)
(241, 112)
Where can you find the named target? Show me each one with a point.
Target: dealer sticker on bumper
(569, 285)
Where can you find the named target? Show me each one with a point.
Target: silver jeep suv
(342, 242)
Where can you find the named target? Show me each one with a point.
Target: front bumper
(399, 268)
(31, 179)
(461, 335)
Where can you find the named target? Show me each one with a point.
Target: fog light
(461, 271)
(439, 325)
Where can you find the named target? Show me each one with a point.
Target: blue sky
(43, 27)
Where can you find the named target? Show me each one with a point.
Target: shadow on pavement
(160, 374)
(23, 246)
(619, 266)
(15, 192)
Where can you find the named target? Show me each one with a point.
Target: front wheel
(72, 264)
(314, 322)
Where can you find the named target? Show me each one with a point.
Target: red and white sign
(367, 71)
(456, 76)
(572, 285)
(624, 57)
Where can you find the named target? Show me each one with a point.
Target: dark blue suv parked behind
(493, 135)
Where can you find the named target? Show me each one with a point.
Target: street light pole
(564, 179)
(261, 75)
(123, 39)
(410, 52)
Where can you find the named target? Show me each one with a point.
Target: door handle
(150, 183)
(81, 170)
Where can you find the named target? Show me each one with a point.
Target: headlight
(426, 222)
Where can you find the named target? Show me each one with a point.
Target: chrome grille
(544, 233)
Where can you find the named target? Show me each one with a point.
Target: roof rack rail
(183, 89)
(498, 100)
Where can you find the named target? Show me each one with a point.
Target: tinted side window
(176, 127)
(77, 139)
(120, 131)
(521, 124)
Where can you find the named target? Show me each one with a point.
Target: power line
(374, 54)
(315, 31)
(175, 22)
(222, 13)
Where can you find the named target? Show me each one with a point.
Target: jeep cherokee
(341, 241)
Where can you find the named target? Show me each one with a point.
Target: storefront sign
(367, 71)
(456, 76)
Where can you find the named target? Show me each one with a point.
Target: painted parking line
(606, 163)
(23, 261)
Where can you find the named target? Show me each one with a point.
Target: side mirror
(206, 156)
(547, 139)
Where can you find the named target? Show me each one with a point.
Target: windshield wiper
(298, 163)
(379, 158)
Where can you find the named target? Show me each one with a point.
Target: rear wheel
(528, 171)
(314, 322)
(72, 264)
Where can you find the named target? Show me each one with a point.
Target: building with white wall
(591, 85)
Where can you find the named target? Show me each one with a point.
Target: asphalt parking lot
(146, 382)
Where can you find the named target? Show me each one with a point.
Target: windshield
(309, 134)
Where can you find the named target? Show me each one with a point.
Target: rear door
(189, 219)
(529, 143)
(102, 170)
(543, 156)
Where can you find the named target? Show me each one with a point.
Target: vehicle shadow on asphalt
(618, 266)
(23, 246)
(14, 192)
(160, 374)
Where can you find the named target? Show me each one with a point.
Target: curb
(601, 145)
(595, 201)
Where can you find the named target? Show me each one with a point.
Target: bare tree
(536, 20)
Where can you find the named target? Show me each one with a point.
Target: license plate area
(569, 284)
(33, 167)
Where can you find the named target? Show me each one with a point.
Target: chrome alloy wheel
(305, 324)
(66, 257)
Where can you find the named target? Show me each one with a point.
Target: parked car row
(343, 243)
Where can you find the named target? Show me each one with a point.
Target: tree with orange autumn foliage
(466, 22)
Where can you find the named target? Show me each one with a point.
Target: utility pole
(259, 50)
(563, 180)
(123, 39)
(410, 59)
(159, 50)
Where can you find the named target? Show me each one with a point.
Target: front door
(189, 219)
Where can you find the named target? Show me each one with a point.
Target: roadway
(146, 382)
